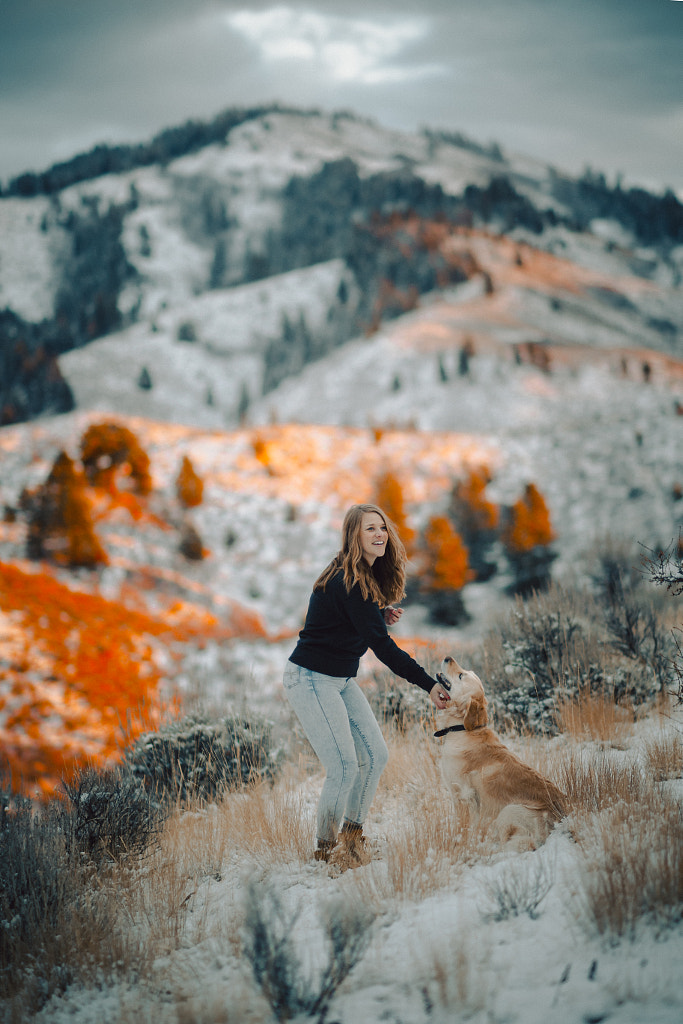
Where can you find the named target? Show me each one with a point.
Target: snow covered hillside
(200, 249)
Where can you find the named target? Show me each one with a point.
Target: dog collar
(451, 728)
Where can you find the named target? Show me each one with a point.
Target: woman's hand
(392, 615)
(439, 696)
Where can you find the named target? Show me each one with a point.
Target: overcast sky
(574, 82)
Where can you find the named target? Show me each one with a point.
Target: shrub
(196, 758)
(632, 867)
(48, 909)
(518, 889)
(189, 485)
(631, 616)
(33, 882)
(112, 814)
(187, 331)
(397, 704)
(270, 948)
(191, 545)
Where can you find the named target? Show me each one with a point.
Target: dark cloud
(576, 82)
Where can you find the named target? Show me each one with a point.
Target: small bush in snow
(191, 545)
(196, 758)
(270, 947)
(112, 815)
(519, 889)
(632, 617)
(50, 912)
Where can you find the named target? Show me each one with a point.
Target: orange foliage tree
(527, 537)
(59, 517)
(189, 485)
(448, 566)
(446, 573)
(389, 497)
(529, 523)
(109, 451)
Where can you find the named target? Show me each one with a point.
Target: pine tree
(477, 519)
(60, 523)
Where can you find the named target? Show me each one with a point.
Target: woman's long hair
(384, 581)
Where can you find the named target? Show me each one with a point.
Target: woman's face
(373, 536)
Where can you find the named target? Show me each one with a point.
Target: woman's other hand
(439, 696)
(392, 615)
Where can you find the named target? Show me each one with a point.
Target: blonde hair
(384, 581)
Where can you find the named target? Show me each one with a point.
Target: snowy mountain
(191, 256)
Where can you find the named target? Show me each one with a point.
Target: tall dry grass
(631, 866)
(663, 756)
(588, 715)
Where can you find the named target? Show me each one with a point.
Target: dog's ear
(476, 716)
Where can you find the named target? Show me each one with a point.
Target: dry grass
(632, 866)
(598, 778)
(459, 973)
(270, 824)
(664, 756)
(594, 716)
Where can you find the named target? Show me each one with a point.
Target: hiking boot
(351, 850)
(324, 849)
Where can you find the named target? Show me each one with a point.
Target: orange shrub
(189, 485)
(529, 524)
(108, 451)
(448, 565)
(77, 677)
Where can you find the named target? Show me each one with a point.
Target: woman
(349, 610)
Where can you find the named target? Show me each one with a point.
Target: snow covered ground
(489, 936)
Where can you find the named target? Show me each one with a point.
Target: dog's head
(467, 704)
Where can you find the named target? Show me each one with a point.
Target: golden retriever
(478, 769)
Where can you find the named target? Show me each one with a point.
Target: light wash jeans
(344, 733)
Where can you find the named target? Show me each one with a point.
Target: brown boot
(324, 849)
(351, 850)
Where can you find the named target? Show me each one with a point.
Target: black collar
(451, 728)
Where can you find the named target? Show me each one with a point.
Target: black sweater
(338, 630)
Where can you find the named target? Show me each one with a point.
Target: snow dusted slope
(31, 244)
(207, 354)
